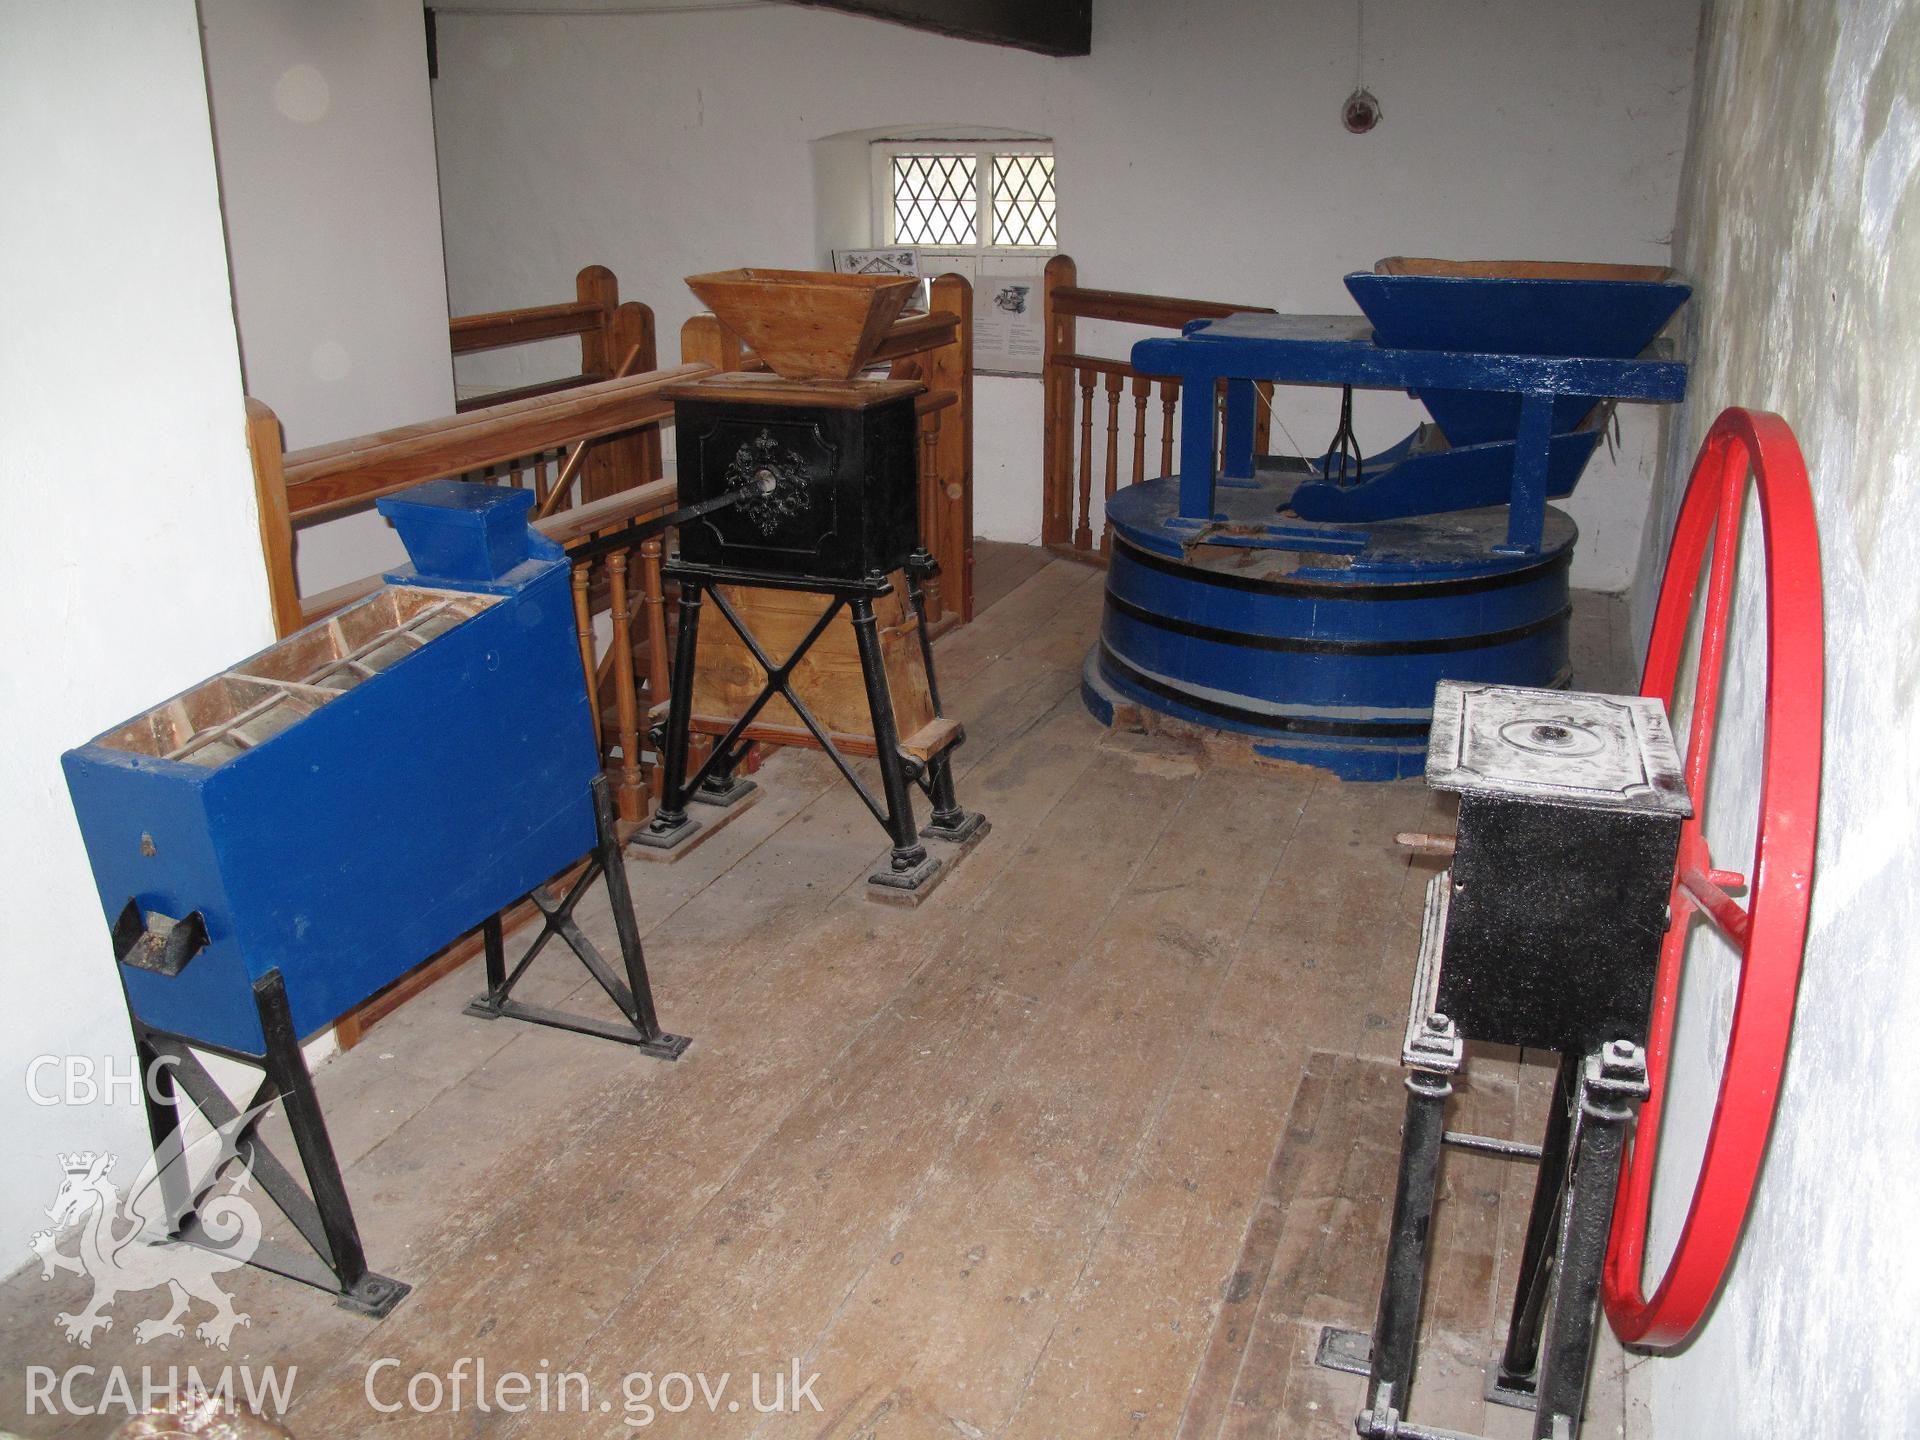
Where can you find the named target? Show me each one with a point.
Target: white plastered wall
(1199, 147)
(1800, 213)
(324, 129)
(126, 498)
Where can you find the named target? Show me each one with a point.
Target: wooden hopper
(1514, 307)
(806, 324)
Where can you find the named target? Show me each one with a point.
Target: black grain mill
(832, 509)
(1545, 933)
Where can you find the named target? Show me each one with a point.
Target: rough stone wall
(1799, 217)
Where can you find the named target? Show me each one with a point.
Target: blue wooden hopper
(1513, 307)
(1486, 313)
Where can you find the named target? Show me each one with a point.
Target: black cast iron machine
(1563, 924)
(824, 459)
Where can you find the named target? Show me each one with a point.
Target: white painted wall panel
(126, 498)
(324, 129)
(1200, 153)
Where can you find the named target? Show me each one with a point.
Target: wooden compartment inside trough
(222, 718)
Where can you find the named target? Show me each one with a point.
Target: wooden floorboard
(1090, 1144)
(1001, 567)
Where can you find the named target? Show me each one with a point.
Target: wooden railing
(509, 444)
(1107, 391)
(616, 339)
(537, 442)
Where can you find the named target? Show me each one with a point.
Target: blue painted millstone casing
(1327, 655)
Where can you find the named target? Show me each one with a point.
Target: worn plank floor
(1091, 1144)
(1000, 567)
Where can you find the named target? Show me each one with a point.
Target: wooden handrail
(583, 522)
(500, 328)
(566, 529)
(1129, 308)
(1078, 389)
(917, 333)
(1100, 365)
(330, 478)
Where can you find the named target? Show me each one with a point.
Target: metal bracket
(1432, 1043)
(157, 942)
(633, 996)
(320, 1213)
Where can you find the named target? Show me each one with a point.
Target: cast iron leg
(722, 787)
(163, 1125)
(620, 899)
(494, 940)
(949, 821)
(1515, 1376)
(286, 1070)
(1613, 1083)
(1397, 1323)
(670, 824)
(908, 867)
(633, 996)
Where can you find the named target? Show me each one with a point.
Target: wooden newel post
(631, 343)
(1056, 523)
(949, 368)
(276, 522)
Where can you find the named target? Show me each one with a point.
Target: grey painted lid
(1562, 747)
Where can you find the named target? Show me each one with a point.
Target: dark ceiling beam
(1051, 27)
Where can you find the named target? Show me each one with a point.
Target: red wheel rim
(1770, 931)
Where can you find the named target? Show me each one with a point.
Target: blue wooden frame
(1341, 350)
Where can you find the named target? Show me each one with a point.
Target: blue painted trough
(1312, 605)
(286, 838)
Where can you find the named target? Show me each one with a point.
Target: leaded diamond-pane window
(1023, 200)
(933, 200)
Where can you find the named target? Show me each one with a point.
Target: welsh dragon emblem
(123, 1246)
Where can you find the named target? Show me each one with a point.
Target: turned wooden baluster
(540, 478)
(653, 598)
(583, 622)
(1142, 387)
(1169, 397)
(1115, 382)
(629, 793)
(1083, 532)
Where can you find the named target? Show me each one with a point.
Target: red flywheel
(1769, 932)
